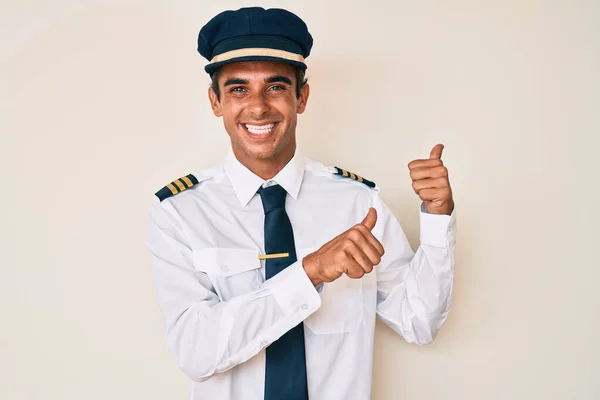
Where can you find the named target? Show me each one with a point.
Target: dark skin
(260, 108)
(260, 94)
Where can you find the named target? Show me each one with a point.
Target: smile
(259, 129)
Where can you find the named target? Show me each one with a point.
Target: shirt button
(304, 307)
(224, 268)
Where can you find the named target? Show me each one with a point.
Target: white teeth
(259, 129)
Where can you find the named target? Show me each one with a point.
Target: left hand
(430, 182)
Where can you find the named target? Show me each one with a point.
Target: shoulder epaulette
(177, 186)
(350, 175)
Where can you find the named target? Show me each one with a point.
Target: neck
(266, 168)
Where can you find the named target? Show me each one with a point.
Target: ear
(214, 103)
(303, 99)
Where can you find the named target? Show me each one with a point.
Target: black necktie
(285, 377)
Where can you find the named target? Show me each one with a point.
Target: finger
(331, 275)
(366, 244)
(431, 172)
(433, 183)
(359, 256)
(372, 254)
(428, 163)
(370, 219)
(354, 270)
(372, 240)
(434, 194)
(436, 152)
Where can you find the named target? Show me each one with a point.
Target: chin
(259, 154)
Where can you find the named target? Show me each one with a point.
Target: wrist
(446, 209)
(311, 272)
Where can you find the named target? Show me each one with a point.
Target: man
(271, 267)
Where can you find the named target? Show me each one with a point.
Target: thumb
(436, 152)
(370, 219)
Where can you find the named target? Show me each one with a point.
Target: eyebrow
(279, 78)
(235, 81)
(272, 79)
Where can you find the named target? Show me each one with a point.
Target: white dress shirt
(220, 313)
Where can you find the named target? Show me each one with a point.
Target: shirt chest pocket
(233, 272)
(341, 308)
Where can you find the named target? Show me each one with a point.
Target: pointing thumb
(370, 219)
(436, 152)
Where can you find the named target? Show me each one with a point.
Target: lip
(261, 123)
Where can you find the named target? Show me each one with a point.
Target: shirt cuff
(293, 291)
(436, 229)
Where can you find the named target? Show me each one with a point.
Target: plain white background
(102, 102)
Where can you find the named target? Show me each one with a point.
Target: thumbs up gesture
(430, 182)
(354, 252)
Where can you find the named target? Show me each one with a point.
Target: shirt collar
(245, 183)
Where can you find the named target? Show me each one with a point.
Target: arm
(208, 336)
(414, 291)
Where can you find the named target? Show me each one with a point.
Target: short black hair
(299, 72)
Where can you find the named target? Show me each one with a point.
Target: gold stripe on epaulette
(187, 181)
(344, 172)
(179, 185)
(172, 188)
(360, 179)
(352, 176)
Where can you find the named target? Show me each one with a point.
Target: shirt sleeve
(414, 290)
(206, 335)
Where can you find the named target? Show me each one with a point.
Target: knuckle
(347, 243)
(330, 276)
(361, 230)
(339, 257)
(355, 234)
(353, 273)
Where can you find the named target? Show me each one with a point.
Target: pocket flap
(226, 262)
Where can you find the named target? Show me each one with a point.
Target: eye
(237, 89)
(277, 88)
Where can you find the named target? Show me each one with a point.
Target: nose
(259, 105)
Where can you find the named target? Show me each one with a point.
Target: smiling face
(259, 107)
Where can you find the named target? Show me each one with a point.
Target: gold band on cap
(260, 52)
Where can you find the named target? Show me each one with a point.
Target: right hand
(354, 253)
